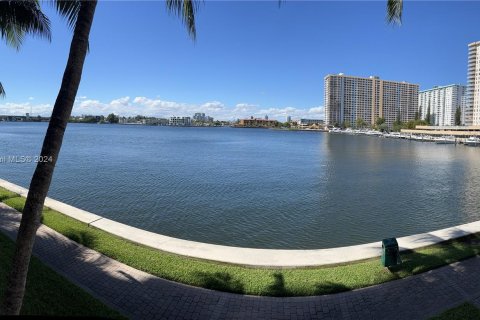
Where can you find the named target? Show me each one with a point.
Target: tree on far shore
(380, 121)
(360, 123)
(112, 118)
(428, 117)
(458, 116)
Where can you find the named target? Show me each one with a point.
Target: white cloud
(12, 108)
(316, 110)
(212, 106)
(120, 101)
(31, 98)
(244, 107)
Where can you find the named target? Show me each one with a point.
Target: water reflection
(256, 188)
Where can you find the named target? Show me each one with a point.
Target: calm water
(253, 187)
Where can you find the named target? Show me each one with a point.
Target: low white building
(304, 123)
(180, 121)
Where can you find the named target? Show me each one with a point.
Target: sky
(251, 58)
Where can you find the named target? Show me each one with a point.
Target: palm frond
(2, 91)
(185, 9)
(68, 9)
(394, 11)
(18, 18)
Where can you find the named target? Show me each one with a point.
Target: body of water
(253, 187)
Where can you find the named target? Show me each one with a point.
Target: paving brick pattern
(139, 295)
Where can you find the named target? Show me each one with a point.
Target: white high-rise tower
(472, 108)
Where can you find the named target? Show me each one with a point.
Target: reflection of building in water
(468, 184)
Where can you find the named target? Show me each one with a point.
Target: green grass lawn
(466, 311)
(255, 281)
(48, 293)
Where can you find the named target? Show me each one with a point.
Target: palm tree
(394, 11)
(80, 16)
(18, 18)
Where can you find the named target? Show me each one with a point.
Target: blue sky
(250, 58)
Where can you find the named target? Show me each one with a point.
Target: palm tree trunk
(51, 147)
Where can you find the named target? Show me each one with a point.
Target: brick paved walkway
(143, 296)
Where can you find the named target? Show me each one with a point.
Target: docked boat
(472, 142)
(428, 139)
(373, 133)
(414, 137)
(446, 140)
(335, 130)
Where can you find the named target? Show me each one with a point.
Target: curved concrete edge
(276, 258)
(68, 210)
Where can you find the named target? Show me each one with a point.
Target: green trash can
(390, 253)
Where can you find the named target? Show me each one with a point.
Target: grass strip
(255, 281)
(466, 311)
(48, 293)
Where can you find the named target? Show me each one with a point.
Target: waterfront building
(472, 108)
(289, 119)
(349, 98)
(199, 117)
(442, 102)
(304, 123)
(26, 118)
(257, 123)
(163, 122)
(457, 131)
(180, 121)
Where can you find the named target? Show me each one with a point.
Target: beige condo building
(348, 98)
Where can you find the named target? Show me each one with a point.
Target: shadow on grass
(81, 237)
(277, 288)
(330, 287)
(447, 252)
(219, 281)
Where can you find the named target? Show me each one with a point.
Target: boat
(414, 137)
(428, 139)
(472, 142)
(446, 140)
(335, 130)
(373, 133)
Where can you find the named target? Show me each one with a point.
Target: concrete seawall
(278, 258)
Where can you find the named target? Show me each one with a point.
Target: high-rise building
(349, 98)
(199, 116)
(472, 108)
(442, 103)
